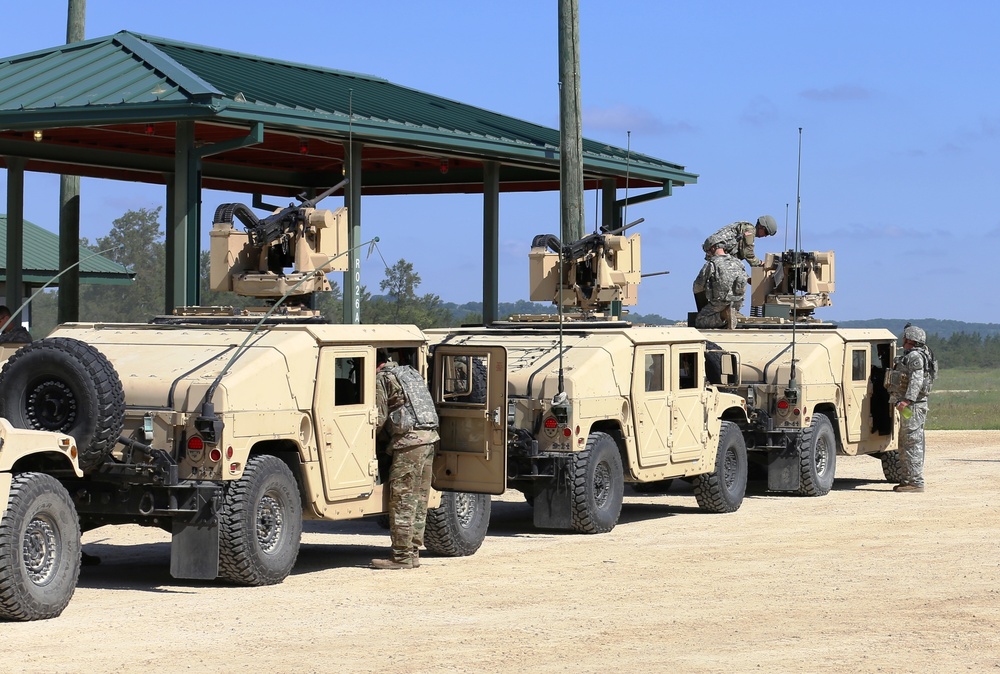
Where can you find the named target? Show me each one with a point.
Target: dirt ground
(861, 580)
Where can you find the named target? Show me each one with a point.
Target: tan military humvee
(812, 390)
(590, 403)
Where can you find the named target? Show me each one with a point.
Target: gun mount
(279, 252)
(599, 273)
(792, 284)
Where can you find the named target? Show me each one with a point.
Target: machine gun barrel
(621, 229)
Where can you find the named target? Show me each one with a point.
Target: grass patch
(965, 399)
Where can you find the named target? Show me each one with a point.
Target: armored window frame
(349, 380)
(688, 370)
(655, 381)
(859, 364)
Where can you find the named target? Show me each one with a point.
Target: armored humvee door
(469, 387)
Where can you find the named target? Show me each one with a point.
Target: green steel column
(352, 199)
(609, 214)
(15, 232)
(182, 228)
(491, 241)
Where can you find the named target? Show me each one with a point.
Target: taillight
(195, 448)
(215, 454)
(551, 423)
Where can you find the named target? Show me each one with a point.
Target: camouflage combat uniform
(410, 475)
(736, 239)
(909, 380)
(723, 281)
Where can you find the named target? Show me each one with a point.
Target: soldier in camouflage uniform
(409, 477)
(738, 239)
(909, 384)
(719, 290)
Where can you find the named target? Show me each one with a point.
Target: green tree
(401, 304)
(139, 240)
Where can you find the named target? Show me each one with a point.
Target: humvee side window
(349, 373)
(687, 370)
(859, 365)
(464, 379)
(654, 371)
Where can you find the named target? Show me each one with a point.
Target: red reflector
(782, 404)
(567, 432)
(194, 442)
(550, 422)
(229, 452)
(215, 455)
(796, 411)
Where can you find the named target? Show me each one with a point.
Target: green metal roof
(41, 259)
(128, 78)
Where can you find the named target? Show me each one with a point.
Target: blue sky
(898, 101)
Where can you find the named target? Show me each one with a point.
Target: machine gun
(256, 263)
(596, 275)
(792, 284)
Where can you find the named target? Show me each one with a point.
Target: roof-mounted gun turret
(256, 262)
(599, 273)
(792, 284)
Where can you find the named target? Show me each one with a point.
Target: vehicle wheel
(598, 485)
(260, 524)
(892, 467)
(654, 487)
(457, 527)
(65, 386)
(722, 490)
(478, 392)
(817, 457)
(39, 549)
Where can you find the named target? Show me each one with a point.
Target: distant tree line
(966, 350)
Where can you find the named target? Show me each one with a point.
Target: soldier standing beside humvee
(910, 382)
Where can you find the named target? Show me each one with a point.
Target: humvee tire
(892, 468)
(66, 386)
(39, 549)
(260, 524)
(817, 457)
(598, 485)
(722, 490)
(457, 527)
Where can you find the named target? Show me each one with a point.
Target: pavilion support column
(491, 241)
(15, 232)
(609, 213)
(69, 249)
(352, 199)
(182, 244)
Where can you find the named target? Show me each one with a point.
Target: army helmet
(914, 334)
(768, 223)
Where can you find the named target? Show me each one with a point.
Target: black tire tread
(810, 484)
(710, 488)
(109, 395)
(444, 535)
(15, 603)
(584, 519)
(237, 561)
(892, 466)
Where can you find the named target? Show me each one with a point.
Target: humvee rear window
(349, 373)
(859, 365)
(687, 370)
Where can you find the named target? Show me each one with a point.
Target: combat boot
(390, 564)
(415, 562)
(908, 488)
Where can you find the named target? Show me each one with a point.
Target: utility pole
(570, 124)
(69, 201)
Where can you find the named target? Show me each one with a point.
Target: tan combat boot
(390, 564)
(908, 488)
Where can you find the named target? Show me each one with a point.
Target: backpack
(415, 410)
(930, 366)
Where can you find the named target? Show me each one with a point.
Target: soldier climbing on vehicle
(719, 291)
(738, 239)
